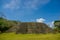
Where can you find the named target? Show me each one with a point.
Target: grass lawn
(12, 36)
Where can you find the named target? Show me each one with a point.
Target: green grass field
(12, 36)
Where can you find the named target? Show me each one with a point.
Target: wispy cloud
(51, 24)
(41, 20)
(35, 3)
(14, 4)
(25, 4)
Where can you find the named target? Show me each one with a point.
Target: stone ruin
(32, 27)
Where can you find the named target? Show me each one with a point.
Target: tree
(57, 25)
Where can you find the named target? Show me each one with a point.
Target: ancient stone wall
(32, 27)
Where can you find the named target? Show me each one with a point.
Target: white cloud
(52, 24)
(40, 20)
(28, 4)
(35, 3)
(14, 4)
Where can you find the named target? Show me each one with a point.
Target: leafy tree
(5, 24)
(57, 25)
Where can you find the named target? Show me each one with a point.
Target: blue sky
(31, 10)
